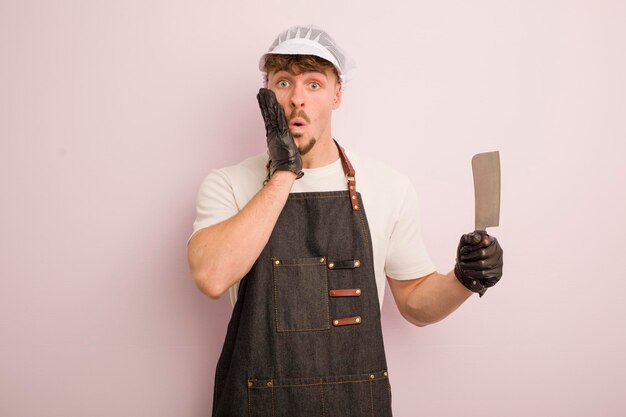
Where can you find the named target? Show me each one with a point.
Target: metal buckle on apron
(354, 201)
(350, 178)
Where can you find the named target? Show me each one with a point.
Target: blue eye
(283, 83)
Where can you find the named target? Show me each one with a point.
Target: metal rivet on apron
(372, 376)
(331, 265)
(358, 319)
(250, 384)
(332, 292)
(473, 282)
(357, 263)
(269, 384)
(358, 292)
(354, 197)
(385, 373)
(277, 262)
(336, 322)
(356, 206)
(322, 260)
(352, 187)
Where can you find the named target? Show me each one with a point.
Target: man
(286, 233)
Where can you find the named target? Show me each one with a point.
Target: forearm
(220, 255)
(434, 298)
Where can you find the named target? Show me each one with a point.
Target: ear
(338, 96)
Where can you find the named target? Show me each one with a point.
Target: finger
(473, 255)
(486, 240)
(493, 263)
(491, 277)
(475, 268)
(472, 274)
(262, 99)
(471, 239)
(272, 106)
(475, 240)
(283, 123)
(280, 117)
(274, 109)
(468, 249)
(469, 254)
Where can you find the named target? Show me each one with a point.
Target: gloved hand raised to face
(284, 154)
(479, 261)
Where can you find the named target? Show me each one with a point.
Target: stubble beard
(304, 149)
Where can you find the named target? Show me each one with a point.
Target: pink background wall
(111, 113)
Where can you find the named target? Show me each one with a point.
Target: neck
(324, 152)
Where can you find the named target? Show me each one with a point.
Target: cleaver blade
(486, 170)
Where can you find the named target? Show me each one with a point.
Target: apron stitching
(322, 395)
(389, 394)
(321, 383)
(372, 398)
(296, 197)
(273, 408)
(249, 405)
(326, 298)
(275, 318)
(303, 330)
(364, 227)
(327, 324)
(275, 296)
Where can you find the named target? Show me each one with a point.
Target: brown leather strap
(347, 321)
(345, 292)
(349, 264)
(349, 171)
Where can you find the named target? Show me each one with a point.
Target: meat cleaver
(486, 170)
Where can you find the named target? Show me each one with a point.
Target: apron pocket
(301, 294)
(363, 395)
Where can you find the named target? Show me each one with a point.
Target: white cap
(311, 40)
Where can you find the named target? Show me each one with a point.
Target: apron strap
(348, 169)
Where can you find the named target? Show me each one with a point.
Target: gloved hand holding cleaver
(479, 256)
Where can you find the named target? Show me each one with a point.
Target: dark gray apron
(305, 339)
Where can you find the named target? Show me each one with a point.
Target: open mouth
(297, 123)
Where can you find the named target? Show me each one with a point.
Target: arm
(427, 300)
(431, 298)
(220, 255)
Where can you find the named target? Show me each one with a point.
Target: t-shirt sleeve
(407, 257)
(215, 201)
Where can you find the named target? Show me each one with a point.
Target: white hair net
(311, 40)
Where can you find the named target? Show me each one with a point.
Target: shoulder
(236, 183)
(251, 168)
(372, 173)
(248, 173)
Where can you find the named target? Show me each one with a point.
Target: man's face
(308, 100)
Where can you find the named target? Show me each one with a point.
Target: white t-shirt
(389, 201)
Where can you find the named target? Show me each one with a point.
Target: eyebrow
(314, 73)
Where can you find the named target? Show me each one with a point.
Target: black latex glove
(284, 154)
(478, 261)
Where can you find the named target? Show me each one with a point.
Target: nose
(296, 100)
